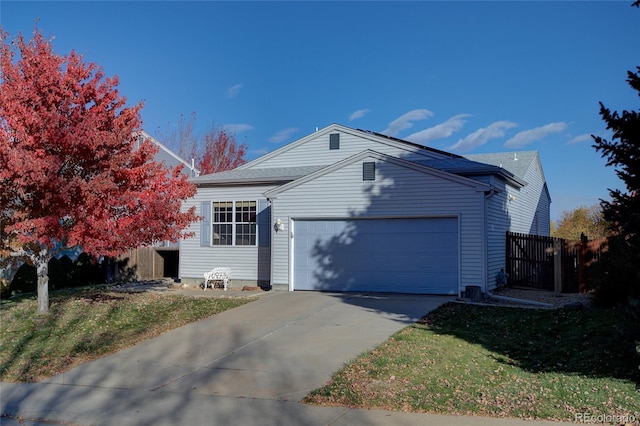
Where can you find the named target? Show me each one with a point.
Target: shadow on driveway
(271, 352)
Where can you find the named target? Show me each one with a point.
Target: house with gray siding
(162, 259)
(344, 209)
(166, 156)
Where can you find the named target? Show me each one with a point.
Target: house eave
(479, 186)
(243, 183)
(143, 134)
(512, 180)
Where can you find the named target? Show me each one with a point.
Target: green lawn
(84, 324)
(503, 362)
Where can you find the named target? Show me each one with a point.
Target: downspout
(272, 233)
(487, 195)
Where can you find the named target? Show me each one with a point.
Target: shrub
(615, 279)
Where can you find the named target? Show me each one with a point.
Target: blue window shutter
(264, 223)
(205, 225)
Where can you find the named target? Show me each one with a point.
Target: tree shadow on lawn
(61, 333)
(588, 342)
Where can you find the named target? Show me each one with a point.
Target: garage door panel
(394, 255)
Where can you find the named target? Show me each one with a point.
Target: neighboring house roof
(168, 157)
(517, 163)
(253, 176)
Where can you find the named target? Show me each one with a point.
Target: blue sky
(465, 77)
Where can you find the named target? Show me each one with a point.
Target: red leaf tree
(215, 151)
(70, 174)
(221, 152)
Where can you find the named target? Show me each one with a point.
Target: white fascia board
(167, 150)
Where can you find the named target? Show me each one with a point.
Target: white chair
(217, 274)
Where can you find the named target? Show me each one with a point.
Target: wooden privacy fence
(144, 263)
(550, 263)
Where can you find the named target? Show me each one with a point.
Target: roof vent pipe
(515, 156)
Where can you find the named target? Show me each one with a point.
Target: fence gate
(549, 263)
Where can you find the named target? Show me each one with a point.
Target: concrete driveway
(247, 366)
(279, 347)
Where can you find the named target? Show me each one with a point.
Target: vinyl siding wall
(514, 210)
(544, 213)
(498, 222)
(248, 263)
(169, 160)
(397, 192)
(316, 151)
(530, 200)
(164, 155)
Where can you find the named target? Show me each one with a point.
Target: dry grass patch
(84, 324)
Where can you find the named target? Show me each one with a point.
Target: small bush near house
(63, 273)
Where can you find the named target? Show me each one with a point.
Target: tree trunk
(41, 264)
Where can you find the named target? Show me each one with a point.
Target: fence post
(582, 251)
(557, 264)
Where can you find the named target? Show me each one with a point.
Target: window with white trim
(234, 223)
(222, 224)
(245, 223)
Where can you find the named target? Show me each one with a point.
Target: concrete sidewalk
(250, 365)
(103, 406)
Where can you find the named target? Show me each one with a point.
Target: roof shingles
(278, 174)
(517, 163)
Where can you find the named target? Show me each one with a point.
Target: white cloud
(283, 135)
(358, 114)
(406, 121)
(527, 136)
(580, 138)
(237, 128)
(233, 91)
(439, 131)
(482, 136)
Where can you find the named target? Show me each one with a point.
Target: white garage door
(379, 255)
